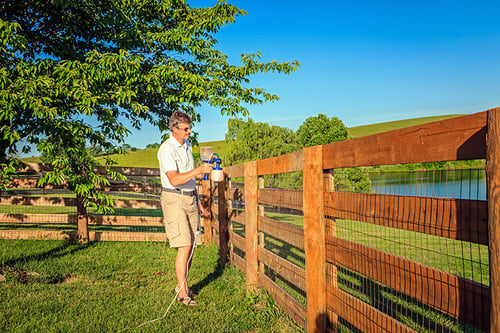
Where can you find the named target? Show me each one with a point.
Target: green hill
(364, 130)
(146, 158)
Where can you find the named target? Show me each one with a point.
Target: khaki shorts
(181, 218)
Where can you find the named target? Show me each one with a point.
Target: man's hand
(206, 167)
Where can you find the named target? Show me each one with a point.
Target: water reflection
(458, 184)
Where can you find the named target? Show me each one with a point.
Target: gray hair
(177, 118)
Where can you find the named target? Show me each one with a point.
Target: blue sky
(362, 61)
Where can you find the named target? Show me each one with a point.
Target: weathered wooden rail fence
(360, 261)
(53, 212)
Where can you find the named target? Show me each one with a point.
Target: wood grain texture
(281, 164)
(281, 198)
(286, 232)
(493, 193)
(461, 138)
(314, 239)
(459, 219)
(450, 294)
(360, 314)
(251, 233)
(294, 309)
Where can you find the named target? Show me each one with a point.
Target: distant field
(365, 130)
(146, 158)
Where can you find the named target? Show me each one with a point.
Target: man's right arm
(175, 178)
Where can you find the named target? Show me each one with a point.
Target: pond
(459, 184)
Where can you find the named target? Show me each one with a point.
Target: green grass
(364, 130)
(146, 158)
(116, 286)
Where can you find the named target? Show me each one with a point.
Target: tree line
(248, 140)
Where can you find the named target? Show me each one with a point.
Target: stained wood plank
(32, 183)
(39, 218)
(238, 261)
(284, 268)
(222, 223)
(360, 314)
(207, 200)
(493, 193)
(146, 204)
(128, 236)
(281, 164)
(236, 194)
(132, 171)
(459, 219)
(282, 198)
(134, 187)
(111, 220)
(461, 138)
(296, 310)
(236, 215)
(37, 201)
(38, 234)
(314, 239)
(454, 296)
(235, 171)
(286, 232)
(237, 241)
(251, 235)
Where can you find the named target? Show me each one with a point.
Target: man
(179, 200)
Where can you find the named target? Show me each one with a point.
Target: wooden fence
(53, 212)
(357, 285)
(318, 264)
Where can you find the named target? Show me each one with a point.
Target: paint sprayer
(208, 156)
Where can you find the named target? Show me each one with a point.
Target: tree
(321, 130)
(250, 141)
(153, 145)
(77, 71)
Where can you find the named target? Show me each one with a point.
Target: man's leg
(181, 267)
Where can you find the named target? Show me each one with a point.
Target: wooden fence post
(260, 209)
(314, 238)
(493, 195)
(331, 229)
(251, 237)
(207, 207)
(223, 230)
(83, 230)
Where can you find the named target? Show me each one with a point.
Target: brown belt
(189, 193)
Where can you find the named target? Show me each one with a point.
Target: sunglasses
(185, 129)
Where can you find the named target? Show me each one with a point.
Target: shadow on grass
(66, 248)
(217, 273)
(10, 268)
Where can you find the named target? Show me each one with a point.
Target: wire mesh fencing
(414, 247)
(52, 212)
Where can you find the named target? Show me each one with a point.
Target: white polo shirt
(174, 156)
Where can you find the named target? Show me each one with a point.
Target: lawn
(59, 286)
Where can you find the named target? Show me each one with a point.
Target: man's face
(182, 131)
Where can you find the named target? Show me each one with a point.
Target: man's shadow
(219, 269)
(68, 247)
